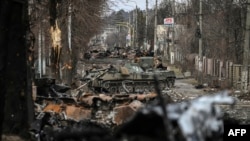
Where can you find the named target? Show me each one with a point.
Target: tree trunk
(15, 75)
(244, 73)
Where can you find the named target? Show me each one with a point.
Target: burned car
(96, 52)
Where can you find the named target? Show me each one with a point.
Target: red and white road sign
(169, 21)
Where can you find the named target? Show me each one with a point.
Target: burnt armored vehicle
(129, 78)
(150, 64)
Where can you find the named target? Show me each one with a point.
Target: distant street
(186, 88)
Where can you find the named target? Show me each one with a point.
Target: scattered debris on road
(151, 116)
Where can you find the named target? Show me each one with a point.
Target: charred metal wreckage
(115, 117)
(129, 78)
(57, 109)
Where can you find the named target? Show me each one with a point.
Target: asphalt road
(185, 90)
(186, 87)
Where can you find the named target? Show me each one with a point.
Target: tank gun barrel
(99, 75)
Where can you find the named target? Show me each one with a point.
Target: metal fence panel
(209, 66)
(225, 70)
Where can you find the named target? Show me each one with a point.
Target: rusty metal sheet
(104, 97)
(121, 97)
(122, 114)
(53, 108)
(133, 96)
(151, 95)
(141, 97)
(87, 100)
(90, 99)
(77, 113)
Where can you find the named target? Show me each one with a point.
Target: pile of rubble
(56, 107)
(151, 116)
(107, 109)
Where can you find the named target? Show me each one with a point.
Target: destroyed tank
(129, 78)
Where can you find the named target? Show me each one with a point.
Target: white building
(99, 40)
(165, 46)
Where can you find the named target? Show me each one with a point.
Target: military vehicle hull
(128, 79)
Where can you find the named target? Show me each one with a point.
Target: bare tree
(74, 23)
(223, 24)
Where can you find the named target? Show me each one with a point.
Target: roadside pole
(146, 27)
(200, 65)
(136, 27)
(244, 73)
(155, 30)
(173, 33)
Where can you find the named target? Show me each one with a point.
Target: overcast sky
(129, 5)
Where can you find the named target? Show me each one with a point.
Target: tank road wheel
(121, 90)
(146, 88)
(151, 88)
(139, 89)
(106, 85)
(130, 88)
(112, 89)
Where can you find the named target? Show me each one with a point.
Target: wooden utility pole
(133, 29)
(173, 32)
(70, 26)
(200, 46)
(146, 27)
(16, 105)
(136, 26)
(244, 73)
(155, 30)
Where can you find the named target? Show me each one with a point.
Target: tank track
(127, 86)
